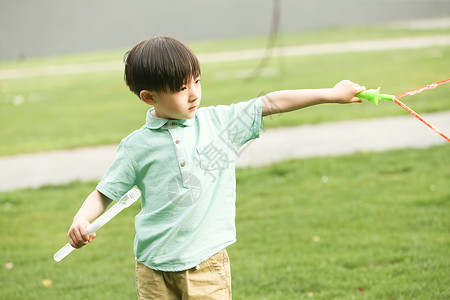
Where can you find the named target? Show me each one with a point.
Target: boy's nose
(194, 93)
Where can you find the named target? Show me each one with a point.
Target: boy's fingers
(359, 89)
(78, 236)
(74, 241)
(84, 234)
(71, 242)
(78, 240)
(92, 237)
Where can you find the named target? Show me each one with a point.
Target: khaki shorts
(209, 280)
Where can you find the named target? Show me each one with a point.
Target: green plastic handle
(374, 95)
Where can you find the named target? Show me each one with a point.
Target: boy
(182, 160)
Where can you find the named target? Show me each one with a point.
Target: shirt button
(173, 124)
(177, 141)
(183, 164)
(166, 125)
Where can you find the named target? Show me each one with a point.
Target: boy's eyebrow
(193, 77)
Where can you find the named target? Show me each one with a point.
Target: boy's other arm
(289, 100)
(94, 205)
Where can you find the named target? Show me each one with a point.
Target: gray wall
(47, 27)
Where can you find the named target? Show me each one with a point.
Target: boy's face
(179, 105)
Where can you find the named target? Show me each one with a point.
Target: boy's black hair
(160, 64)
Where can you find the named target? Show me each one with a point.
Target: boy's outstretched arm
(289, 100)
(94, 205)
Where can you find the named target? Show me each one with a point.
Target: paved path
(327, 139)
(248, 54)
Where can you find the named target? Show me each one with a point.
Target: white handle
(129, 198)
(63, 252)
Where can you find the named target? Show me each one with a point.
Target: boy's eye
(185, 87)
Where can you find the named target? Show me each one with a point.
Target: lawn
(362, 226)
(79, 110)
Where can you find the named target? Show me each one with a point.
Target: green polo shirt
(185, 170)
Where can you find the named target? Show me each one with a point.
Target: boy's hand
(345, 91)
(78, 235)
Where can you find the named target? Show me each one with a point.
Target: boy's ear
(147, 97)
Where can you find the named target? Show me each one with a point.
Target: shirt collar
(153, 122)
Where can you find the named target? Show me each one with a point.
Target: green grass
(68, 111)
(362, 226)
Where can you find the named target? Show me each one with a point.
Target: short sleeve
(241, 122)
(120, 176)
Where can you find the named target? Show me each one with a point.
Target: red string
(421, 119)
(420, 90)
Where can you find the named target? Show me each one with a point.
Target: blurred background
(372, 225)
(48, 27)
(61, 61)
